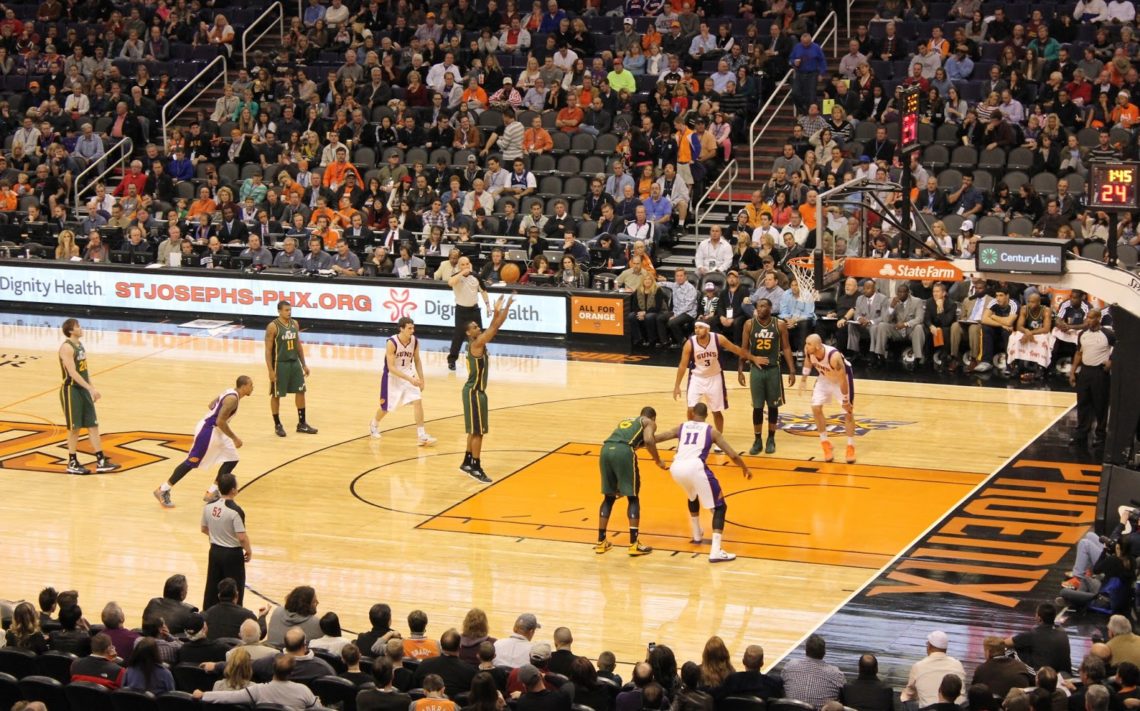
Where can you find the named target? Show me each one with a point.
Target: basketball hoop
(803, 271)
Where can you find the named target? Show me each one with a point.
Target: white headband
(702, 323)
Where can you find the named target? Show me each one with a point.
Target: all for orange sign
(604, 316)
(921, 270)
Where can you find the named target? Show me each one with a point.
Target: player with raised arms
(285, 358)
(836, 383)
(765, 338)
(475, 389)
(620, 477)
(214, 441)
(403, 380)
(691, 471)
(700, 358)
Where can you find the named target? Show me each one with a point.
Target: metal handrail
(125, 147)
(754, 136)
(705, 205)
(200, 76)
(247, 44)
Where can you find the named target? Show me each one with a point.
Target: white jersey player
(700, 358)
(836, 383)
(402, 381)
(214, 442)
(691, 472)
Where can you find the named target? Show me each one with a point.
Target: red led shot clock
(1114, 186)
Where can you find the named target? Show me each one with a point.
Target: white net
(803, 271)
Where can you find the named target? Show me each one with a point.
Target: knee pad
(773, 415)
(607, 506)
(718, 517)
(694, 506)
(634, 507)
(757, 416)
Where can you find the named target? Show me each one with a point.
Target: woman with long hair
(67, 249)
(570, 273)
(540, 265)
(809, 171)
(416, 94)
(25, 632)
(145, 671)
(664, 665)
(473, 633)
(587, 690)
(239, 671)
(648, 315)
(781, 211)
(300, 610)
(715, 664)
(485, 694)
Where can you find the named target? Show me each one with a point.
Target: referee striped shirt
(1095, 346)
(224, 519)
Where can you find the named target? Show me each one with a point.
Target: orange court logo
(37, 447)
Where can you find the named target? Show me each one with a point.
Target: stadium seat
(550, 186)
(47, 690)
(543, 164)
(935, 157)
(88, 696)
(1019, 226)
(953, 223)
(335, 692)
(990, 225)
(788, 705)
(17, 661)
(964, 158)
(364, 156)
(1088, 137)
(582, 144)
(1019, 159)
(593, 166)
(568, 165)
(131, 700)
(1014, 179)
(180, 701)
(561, 142)
(1127, 256)
(191, 677)
(56, 665)
(1093, 250)
(947, 135)
(606, 144)
(1045, 184)
(416, 155)
(1076, 183)
(950, 179)
(983, 180)
(440, 153)
(574, 186)
(742, 703)
(992, 159)
(9, 691)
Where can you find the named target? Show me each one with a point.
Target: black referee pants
(1092, 400)
(463, 316)
(224, 563)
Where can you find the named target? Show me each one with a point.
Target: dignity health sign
(312, 298)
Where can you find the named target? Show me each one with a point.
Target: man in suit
(975, 304)
(867, 691)
(357, 233)
(891, 46)
(870, 310)
(904, 319)
(932, 199)
(730, 315)
(456, 673)
(608, 223)
(265, 226)
(294, 207)
(751, 681)
(393, 237)
(232, 229)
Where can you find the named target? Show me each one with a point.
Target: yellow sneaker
(639, 548)
(828, 455)
(602, 547)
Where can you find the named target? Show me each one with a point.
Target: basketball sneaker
(698, 537)
(279, 430)
(602, 547)
(211, 496)
(163, 498)
(757, 445)
(478, 475)
(721, 556)
(850, 456)
(425, 441)
(639, 548)
(374, 429)
(305, 428)
(828, 455)
(770, 447)
(104, 465)
(74, 467)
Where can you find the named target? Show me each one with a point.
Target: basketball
(510, 273)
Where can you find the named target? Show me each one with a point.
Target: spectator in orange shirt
(434, 699)
(204, 205)
(474, 97)
(570, 117)
(346, 211)
(1125, 113)
(537, 140)
(807, 211)
(9, 200)
(418, 646)
(334, 173)
(326, 232)
(323, 210)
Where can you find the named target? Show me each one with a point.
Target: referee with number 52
(224, 522)
(1090, 375)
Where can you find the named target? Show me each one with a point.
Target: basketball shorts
(698, 481)
(474, 411)
(290, 378)
(767, 387)
(211, 446)
(78, 407)
(620, 476)
(395, 391)
(827, 390)
(711, 388)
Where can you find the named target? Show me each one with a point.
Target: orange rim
(809, 262)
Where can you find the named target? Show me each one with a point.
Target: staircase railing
(718, 192)
(247, 43)
(116, 157)
(213, 72)
(827, 30)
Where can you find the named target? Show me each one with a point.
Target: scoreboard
(1114, 186)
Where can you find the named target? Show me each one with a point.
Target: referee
(467, 288)
(224, 522)
(1090, 375)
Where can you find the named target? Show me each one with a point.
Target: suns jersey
(694, 440)
(705, 360)
(824, 367)
(405, 356)
(211, 418)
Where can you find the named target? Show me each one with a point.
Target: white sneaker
(721, 556)
(427, 440)
(374, 430)
(700, 537)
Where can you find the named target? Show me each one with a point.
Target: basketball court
(366, 521)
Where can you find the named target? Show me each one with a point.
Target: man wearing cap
(926, 674)
(538, 696)
(514, 651)
(626, 38)
(620, 78)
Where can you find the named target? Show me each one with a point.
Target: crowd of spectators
(227, 654)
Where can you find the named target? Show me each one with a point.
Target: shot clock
(1114, 186)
